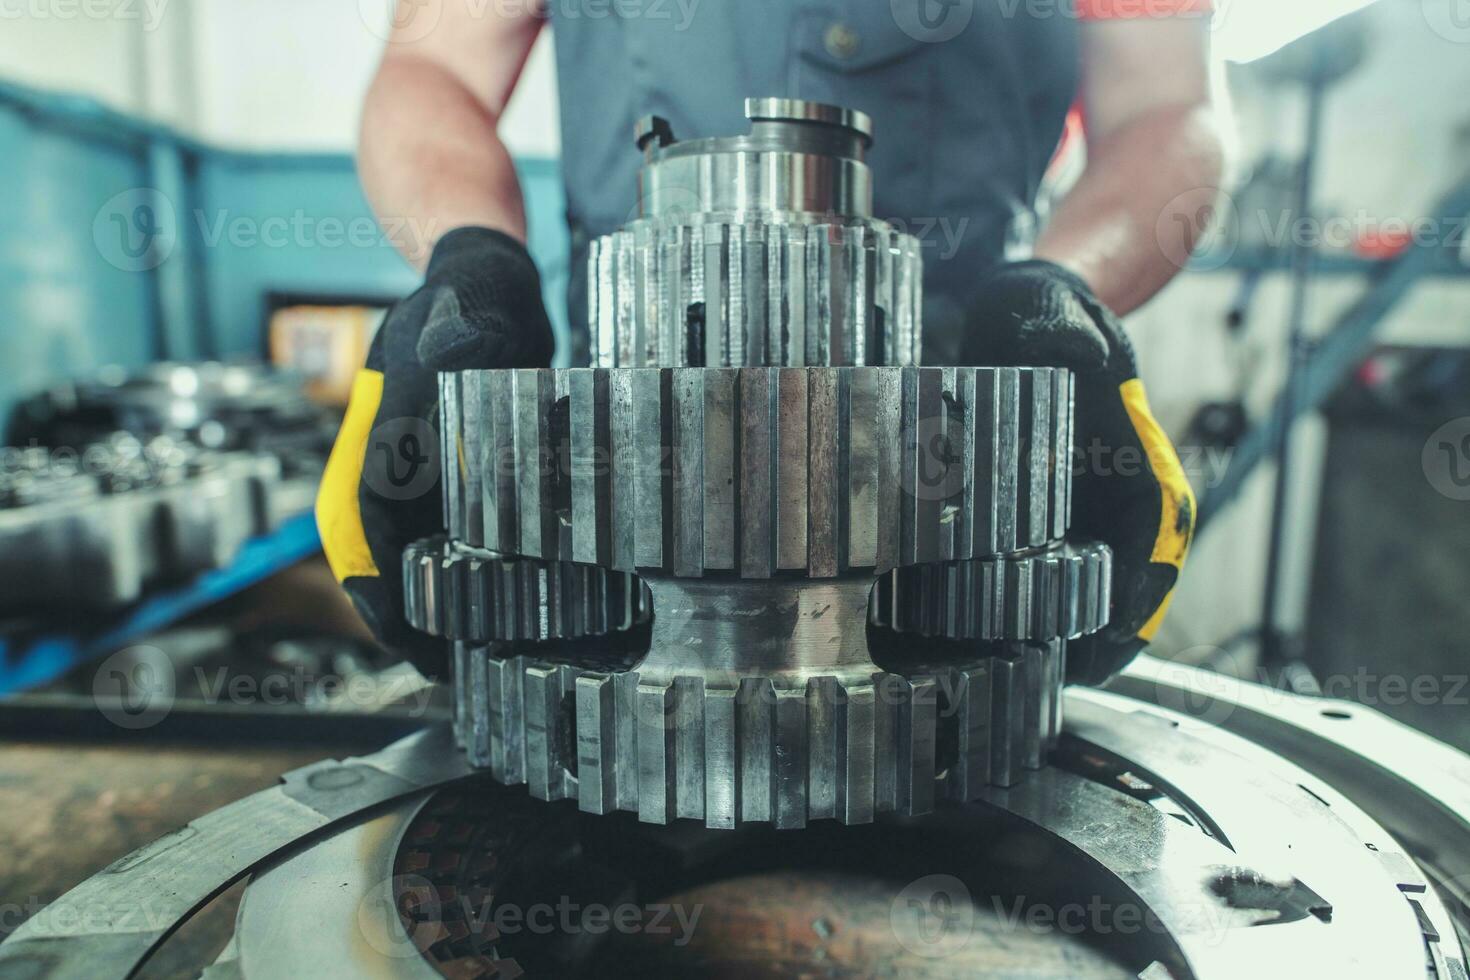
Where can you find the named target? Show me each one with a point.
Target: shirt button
(841, 41)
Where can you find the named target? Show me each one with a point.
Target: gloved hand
(480, 307)
(1129, 488)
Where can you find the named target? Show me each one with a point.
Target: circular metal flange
(769, 288)
(757, 471)
(463, 593)
(1206, 841)
(1061, 593)
(738, 747)
(799, 157)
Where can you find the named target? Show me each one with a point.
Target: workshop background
(180, 190)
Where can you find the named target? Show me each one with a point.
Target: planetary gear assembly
(757, 564)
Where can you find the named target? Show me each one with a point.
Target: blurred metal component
(752, 735)
(757, 250)
(213, 405)
(1416, 786)
(757, 471)
(463, 593)
(96, 529)
(1060, 593)
(137, 477)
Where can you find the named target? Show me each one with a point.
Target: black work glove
(1129, 488)
(480, 307)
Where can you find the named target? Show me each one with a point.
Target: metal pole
(1276, 653)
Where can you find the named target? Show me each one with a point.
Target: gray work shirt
(968, 99)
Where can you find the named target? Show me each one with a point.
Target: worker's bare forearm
(1137, 211)
(430, 158)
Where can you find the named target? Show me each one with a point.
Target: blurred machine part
(127, 481)
(137, 516)
(213, 405)
(1398, 449)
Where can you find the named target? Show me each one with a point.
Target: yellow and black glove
(480, 307)
(1129, 488)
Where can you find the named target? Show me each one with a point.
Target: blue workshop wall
(122, 242)
(299, 225)
(63, 307)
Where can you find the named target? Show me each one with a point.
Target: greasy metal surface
(463, 593)
(753, 732)
(824, 923)
(1416, 787)
(1206, 856)
(757, 471)
(341, 887)
(1059, 593)
(1291, 829)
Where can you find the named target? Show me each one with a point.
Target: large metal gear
(757, 470)
(759, 460)
(670, 740)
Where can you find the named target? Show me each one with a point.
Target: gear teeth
(755, 470)
(1062, 593)
(833, 748)
(751, 281)
(465, 594)
(596, 743)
